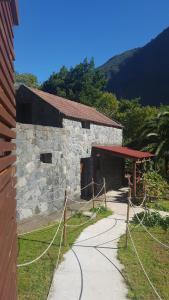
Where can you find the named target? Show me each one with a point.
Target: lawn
(155, 259)
(34, 281)
(160, 205)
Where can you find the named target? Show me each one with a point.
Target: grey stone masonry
(41, 186)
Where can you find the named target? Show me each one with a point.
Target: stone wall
(40, 187)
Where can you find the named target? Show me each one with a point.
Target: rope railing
(145, 228)
(57, 230)
(141, 264)
(94, 214)
(51, 243)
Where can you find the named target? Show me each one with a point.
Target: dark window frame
(85, 124)
(46, 158)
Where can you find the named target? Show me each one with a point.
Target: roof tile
(75, 110)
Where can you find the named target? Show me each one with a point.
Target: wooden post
(105, 198)
(64, 220)
(93, 191)
(134, 179)
(128, 215)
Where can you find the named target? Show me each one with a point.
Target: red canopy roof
(125, 152)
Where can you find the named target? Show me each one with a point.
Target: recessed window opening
(46, 158)
(86, 124)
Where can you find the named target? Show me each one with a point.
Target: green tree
(27, 79)
(108, 104)
(83, 83)
(133, 115)
(155, 136)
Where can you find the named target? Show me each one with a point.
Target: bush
(101, 209)
(156, 186)
(151, 219)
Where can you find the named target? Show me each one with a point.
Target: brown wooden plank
(6, 117)
(8, 18)
(7, 206)
(6, 176)
(6, 132)
(7, 80)
(7, 87)
(7, 72)
(8, 257)
(5, 33)
(6, 161)
(8, 7)
(6, 103)
(7, 146)
(8, 61)
(8, 27)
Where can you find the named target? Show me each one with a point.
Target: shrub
(101, 209)
(156, 186)
(151, 219)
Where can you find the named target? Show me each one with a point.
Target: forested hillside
(141, 73)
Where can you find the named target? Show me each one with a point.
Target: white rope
(37, 230)
(144, 199)
(87, 185)
(95, 213)
(60, 246)
(153, 237)
(145, 273)
(98, 184)
(141, 220)
(46, 250)
(82, 202)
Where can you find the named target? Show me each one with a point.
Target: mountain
(142, 72)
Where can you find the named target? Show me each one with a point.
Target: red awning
(125, 152)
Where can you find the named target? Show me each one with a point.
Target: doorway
(86, 177)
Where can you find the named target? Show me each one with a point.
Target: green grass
(34, 281)
(155, 259)
(160, 205)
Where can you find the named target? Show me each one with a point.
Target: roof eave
(14, 8)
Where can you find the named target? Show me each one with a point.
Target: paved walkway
(90, 269)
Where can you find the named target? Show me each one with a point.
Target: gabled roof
(125, 152)
(74, 110)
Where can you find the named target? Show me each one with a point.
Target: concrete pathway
(91, 270)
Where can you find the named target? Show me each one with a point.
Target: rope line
(141, 264)
(95, 213)
(87, 185)
(60, 247)
(89, 200)
(37, 230)
(46, 250)
(153, 237)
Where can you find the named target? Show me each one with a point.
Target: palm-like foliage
(155, 137)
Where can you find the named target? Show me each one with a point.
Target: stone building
(57, 148)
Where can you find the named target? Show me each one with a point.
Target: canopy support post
(134, 179)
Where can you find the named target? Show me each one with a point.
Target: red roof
(126, 152)
(75, 110)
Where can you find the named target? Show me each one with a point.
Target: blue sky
(53, 33)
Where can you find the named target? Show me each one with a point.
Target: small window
(86, 124)
(46, 158)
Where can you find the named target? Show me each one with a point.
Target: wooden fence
(8, 245)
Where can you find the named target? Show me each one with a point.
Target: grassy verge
(34, 281)
(155, 259)
(160, 205)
